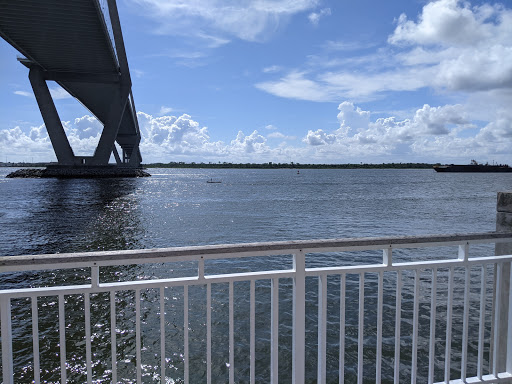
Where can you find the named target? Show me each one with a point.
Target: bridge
(79, 45)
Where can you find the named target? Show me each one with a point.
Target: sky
(304, 81)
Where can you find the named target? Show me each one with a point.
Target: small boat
(211, 181)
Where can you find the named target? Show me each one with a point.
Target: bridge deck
(70, 41)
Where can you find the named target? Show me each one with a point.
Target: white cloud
(137, 73)
(249, 143)
(451, 23)
(251, 20)
(59, 93)
(451, 47)
(270, 127)
(319, 137)
(296, 86)
(447, 133)
(56, 92)
(314, 17)
(431, 134)
(24, 93)
(165, 110)
(279, 135)
(272, 69)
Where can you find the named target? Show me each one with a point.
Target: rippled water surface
(176, 207)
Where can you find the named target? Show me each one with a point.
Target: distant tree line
(292, 165)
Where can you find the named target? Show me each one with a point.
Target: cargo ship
(473, 167)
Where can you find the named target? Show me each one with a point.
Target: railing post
(503, 327)
(299, 318)
(5, 315)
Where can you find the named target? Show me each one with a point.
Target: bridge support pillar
(58, 137)
(503, 316)
(111, 126)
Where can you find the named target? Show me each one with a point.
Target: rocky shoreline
(78, 172)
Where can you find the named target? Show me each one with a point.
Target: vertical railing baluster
(231, 335)
(186, 373)
(163, 362)
(6, 325)
(322, 328)
(465, 325)
(398, 320)
(342, 329)
(415, 324)
(299, 318)
(493, 318)
(378, 358)
(502, 329)
(508, 323)
(138, 336)
(449, 314)
(88, 352)
(62, 340)
(463, 256)
(360, 331)
(95, 277)
(481, 323)
(497, 311)
(252, 335)
(35, 340)
(432, 338)
(274, 331)
(113, 341)
(208, 333)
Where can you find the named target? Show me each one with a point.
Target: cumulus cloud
(450, 23)
(430, 134)
(249, 143)
(446, 133)
(319, 137)
(451, 47)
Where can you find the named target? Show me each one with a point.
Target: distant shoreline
(272, 165)
(269, 165)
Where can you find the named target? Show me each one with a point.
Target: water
(176, 207)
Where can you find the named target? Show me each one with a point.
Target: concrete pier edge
(77, 172)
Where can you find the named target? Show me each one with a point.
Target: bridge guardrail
(395, 313)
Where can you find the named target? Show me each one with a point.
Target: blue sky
(307, 81)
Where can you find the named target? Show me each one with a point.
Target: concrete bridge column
(111, 126)
(51, 118)
(503, 315)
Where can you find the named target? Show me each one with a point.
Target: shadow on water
(61, 216)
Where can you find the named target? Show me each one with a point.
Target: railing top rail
(73, 260)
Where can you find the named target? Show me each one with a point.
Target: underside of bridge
(79, 45)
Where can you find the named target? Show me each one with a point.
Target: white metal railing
(397, 317)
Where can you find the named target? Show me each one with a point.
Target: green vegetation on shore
(271, 165)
